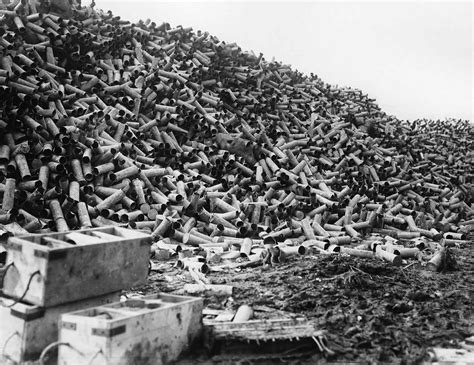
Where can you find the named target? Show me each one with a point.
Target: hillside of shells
(306, 197)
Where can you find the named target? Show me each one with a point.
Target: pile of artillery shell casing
(195, 141)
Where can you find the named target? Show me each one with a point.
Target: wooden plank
(264, 329)
(452, 356)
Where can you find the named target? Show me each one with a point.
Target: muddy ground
(372, 312)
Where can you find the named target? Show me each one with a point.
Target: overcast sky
(414, 57)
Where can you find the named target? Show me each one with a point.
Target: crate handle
(52, 346)
(37, 272)
(2, 355)
(5, 272)
(94, 356)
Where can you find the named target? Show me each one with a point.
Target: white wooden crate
(103, 260)
(26, 329)
(150, 330)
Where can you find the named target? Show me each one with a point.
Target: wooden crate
(150, 330)
(103, 260)
(26, 329)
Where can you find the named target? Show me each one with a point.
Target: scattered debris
(213, 289)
